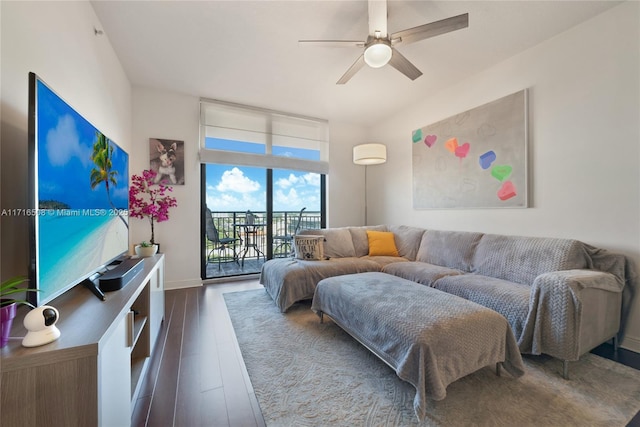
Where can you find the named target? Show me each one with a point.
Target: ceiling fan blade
(378, 18)
(332, 43)
(352, 70)
(432, 29)
(403, 65)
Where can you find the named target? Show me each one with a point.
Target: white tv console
(92, 374)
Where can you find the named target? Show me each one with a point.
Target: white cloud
(312, 179)
(235, 180)
(288, 182)
(219, 202)
(287, 200)
(234, 190)
(222, 201)
(63, 143)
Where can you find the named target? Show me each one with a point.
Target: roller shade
(283, 141)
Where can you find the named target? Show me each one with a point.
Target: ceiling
(247, 51)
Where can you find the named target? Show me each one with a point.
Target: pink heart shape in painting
(429, 140)
(507, 191)
(462, 150)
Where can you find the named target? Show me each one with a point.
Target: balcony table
(250, 232)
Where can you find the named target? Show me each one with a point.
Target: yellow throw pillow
(382, 243)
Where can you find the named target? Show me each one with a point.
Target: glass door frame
(269, 216)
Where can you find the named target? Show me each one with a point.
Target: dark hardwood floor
(197, 376)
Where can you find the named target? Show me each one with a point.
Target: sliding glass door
(263, 175)
(253, 214)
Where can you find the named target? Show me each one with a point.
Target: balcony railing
(247, 254)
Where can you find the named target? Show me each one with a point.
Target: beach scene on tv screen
(82, 193)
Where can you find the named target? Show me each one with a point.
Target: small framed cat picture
(166, 158)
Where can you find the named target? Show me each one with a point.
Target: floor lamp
(368, 154)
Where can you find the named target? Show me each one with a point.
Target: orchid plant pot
(146, 251)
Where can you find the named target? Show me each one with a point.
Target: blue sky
(65, 143)
(242, 188)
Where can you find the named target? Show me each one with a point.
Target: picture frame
(166, 158)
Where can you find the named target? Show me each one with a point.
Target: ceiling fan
(379, 48)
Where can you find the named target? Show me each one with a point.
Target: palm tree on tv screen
(101, 156)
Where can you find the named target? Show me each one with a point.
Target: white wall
(345, 182)
(584, 101)
(161, 114)
(55, 40)
(166, 115)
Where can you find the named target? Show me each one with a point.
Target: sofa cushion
(337, 241)
(288, 280)
(384, 260)
(453, 249)
(382, 243)
(360, 240)
(507, 298)
(522, 259)
(407, 240)
(421, 272)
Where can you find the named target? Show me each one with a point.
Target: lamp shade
(369, 154)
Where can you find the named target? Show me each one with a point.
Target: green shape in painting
(417, 136)
(501, 172)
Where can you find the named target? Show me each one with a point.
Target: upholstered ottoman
(430, 338)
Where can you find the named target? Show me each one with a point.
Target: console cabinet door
(114, 367)
(156, 306)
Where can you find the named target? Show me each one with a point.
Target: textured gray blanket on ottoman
(429, 337)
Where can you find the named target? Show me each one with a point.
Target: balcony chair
(218, 243)
(284, 243)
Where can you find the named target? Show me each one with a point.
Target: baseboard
(631, 343)
(181, 284)
(229, 279)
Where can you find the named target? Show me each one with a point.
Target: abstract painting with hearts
(476, 159)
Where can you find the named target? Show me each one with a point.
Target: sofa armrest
(559, 303)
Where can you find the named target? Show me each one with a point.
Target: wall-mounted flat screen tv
(79, 182)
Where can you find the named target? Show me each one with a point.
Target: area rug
(307, 373)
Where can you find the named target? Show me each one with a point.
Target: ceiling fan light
(377, 54)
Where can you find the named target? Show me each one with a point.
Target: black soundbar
(120, 276)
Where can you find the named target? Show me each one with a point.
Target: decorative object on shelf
(150, 200)
(9, 305)
(369, 154)
(166, 158)
(41, 324)
(146, 249)
(476, 159)
(7, 314)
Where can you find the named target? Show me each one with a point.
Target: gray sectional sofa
(561, 297)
